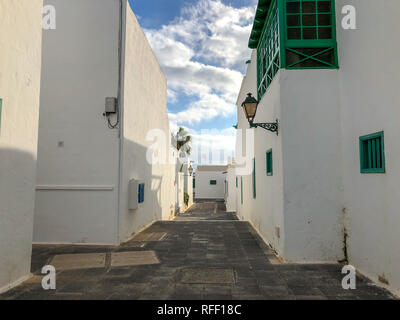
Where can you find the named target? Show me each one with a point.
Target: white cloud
(207, 107)
(202, 53)
(212, 143)
(219, 145)
(172, 96)
(225, 31)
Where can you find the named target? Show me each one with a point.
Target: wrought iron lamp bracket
(273, 127)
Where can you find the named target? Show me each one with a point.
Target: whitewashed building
(326, 188)
(188, 190)
(231, 183)
(210, 182)
(188, 199)
(20, 54)
(102, 92)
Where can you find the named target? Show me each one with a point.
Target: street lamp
(250, 109)
(190, 170)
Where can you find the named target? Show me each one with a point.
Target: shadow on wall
(17, 195)
(159, 185)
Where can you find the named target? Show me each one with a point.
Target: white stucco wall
(265, 212)
(310, 131)
(322, 115)
(180, 186)
(145, 100)
(83, 185)
(297, 210)
(370, 98)
(249, 85)
(189, 188)
(206, 191)
(20, 51)
(78, 154)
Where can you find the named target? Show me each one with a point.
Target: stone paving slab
(150, 236)
(207, 210)
(186, 254)
(208, 276)
(79, 261)
(133, 258)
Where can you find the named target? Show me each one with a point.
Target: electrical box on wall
(111, 105)
(136, 193)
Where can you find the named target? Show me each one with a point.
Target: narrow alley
(204, 254)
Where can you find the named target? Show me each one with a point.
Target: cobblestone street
(198, 256)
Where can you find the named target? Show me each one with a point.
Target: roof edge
(258, 24)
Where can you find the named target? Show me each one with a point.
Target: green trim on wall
(254, 179)
(372, 153)
(309, 23)
(295, 34)
(213, 182)
(261, 13)
(268, 50)
(241, 189)
(269, 163)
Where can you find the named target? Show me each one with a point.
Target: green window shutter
(254, 179)
(241, 189)
(213, 182)
(372, 153)
(237, 182)
(268, 51)
(296, 34)
(269, 163)
(310, 34)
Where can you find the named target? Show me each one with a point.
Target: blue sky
(202, 47)
(155, 13)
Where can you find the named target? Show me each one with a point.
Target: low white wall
(20, 54)
(204, 190)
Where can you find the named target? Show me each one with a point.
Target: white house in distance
(210, 182)
(102, 91)
(20, 54)
(327, 187)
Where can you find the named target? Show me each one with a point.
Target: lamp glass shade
(250, 107)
